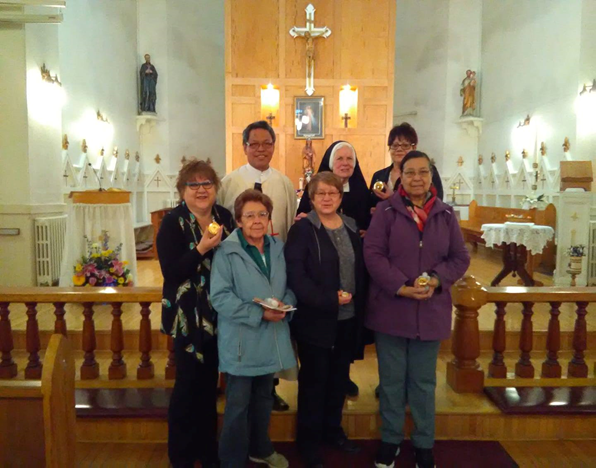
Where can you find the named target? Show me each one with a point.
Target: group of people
(247, 275)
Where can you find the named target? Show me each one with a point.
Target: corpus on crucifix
(310, 33)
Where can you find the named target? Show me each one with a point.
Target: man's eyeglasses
(207, 184)
(424, 173)
(252, 215)
(398, 146)
(265, 145)
(334, 194)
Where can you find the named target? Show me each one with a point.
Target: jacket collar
(396, 202)
(313, 217)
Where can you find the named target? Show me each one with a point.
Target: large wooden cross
(310, 33)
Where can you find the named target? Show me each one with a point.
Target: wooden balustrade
(464, 373)
(88, 297)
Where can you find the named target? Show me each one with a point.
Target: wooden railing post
(577, 365)
(524, 367)
(171, 365)
(464, 374)
(34, 366)
(8, 368)
(117, 369)
(60, 323)
(551, 367)
(90, 367)
(497, 367)
(145, 369)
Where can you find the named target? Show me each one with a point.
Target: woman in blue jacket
(253, 340)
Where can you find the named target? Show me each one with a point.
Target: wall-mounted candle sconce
(507, 155)
(543, 148)
(269, 102)
(65, 142)
(348, 105)
(47, 76)
(101, 117)
(588, 88)
(525, 123)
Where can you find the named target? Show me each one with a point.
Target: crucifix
(157, 180)
(345, 118)
(270, 118)
(310, 33)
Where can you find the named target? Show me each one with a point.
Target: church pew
(37, 417)
(479, 215)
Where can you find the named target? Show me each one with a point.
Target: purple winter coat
(396, 253)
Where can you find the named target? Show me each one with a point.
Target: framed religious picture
(309, 118)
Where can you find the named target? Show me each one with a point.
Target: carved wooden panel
(359, 51)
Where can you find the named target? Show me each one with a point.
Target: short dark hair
(262, 124)
(404, 131)
(193, 168)
(415, 155)
(251, 195)
(324, 177)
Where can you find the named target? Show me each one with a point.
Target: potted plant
(576, 252)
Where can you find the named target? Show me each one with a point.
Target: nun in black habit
(356, 194)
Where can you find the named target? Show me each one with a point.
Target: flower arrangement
(577, 251)
(102, 266)
(532, 201)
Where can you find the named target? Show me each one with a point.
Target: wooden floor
(543, 454)
(486, 263)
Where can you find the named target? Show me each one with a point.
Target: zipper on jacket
(240, 347)
(419, 267)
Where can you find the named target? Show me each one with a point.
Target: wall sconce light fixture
(47, 76)
(588, 88)
(525, 123)
(269, 102)
(101, 117)
(348, 105)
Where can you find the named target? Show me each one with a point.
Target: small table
(516, 239)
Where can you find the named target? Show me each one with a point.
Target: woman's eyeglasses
(398, 146)
(252, 215)
(424, 173)
(207, 184)
(334, 194)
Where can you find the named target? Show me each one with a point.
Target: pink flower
(109, 279)
(92, 281)
(89, 268)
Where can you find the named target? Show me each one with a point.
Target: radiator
(49, 245)
(592, 255)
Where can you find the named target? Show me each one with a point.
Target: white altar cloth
(533, 237)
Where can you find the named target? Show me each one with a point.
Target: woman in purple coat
(414, 252)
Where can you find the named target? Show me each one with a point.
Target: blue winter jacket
(247, 344)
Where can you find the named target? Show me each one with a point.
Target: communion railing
(464, 372)
(88, 298)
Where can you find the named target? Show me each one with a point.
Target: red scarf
(420, 215)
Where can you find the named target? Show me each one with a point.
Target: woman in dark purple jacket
(414, 252)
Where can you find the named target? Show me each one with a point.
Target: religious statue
(148, 75)
(308, 160)
(468, 92)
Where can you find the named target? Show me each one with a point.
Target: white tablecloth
(91, 220)
(533, 237)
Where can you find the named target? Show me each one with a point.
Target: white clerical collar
(253, 175)
(347, 187)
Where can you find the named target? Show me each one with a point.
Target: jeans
(246, 420)
(408, 374)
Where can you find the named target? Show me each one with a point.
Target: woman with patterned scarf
(414, 252)
(185, 244)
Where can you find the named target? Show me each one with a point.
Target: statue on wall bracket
(468, 93)
(148, 76)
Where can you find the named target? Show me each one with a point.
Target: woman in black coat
(402, 139)
(185, 249)
(326, 271)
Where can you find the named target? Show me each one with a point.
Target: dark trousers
(192, 416)
(324, 373)
(245, 428)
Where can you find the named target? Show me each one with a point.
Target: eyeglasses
(207, 184)
(404, 146)
(252, 215)
(424, 173)
(265, 145)
(334, 194)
